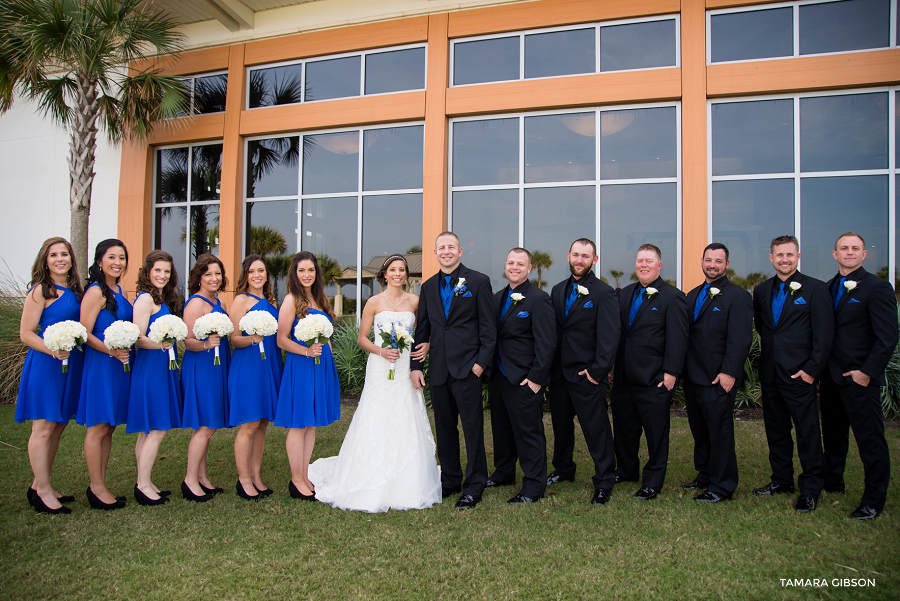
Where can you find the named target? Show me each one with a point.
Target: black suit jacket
(865, 327)
(655, 343)
(526, 338)
(802, 339)
(466, 337)
(720, 338)
(588, 337)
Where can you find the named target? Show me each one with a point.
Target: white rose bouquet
(171, 329)
(65, 336)
(213, 323)
(121, 335)
(395, 338)
(314, 328)
(260, 323)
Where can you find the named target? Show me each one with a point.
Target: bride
(387, 457)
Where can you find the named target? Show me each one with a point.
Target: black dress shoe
(621, 479)
(646, 493)
(694, 484)
(189, 495)
(242, 492)
(492, 483)
(556, 478)
(600, 496)
(467, 502)
(264, 492)
(519, 499)
(296, 494)
(212, 491)
(95, 502)
(805, 503)
(864, 512)
(449, 492)
(774, 489)
(40, 507)
(30, 496)
(835, 489)
(143, 499)
(711, 497)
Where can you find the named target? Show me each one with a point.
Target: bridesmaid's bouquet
(171, 329)
(121, 335)
(260, 323)
(396, 338)
(314, 328)
(213, 323)
(64, 336)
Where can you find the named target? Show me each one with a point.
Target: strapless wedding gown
(387, 459)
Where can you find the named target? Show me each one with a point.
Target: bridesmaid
(103, 403)
(154, 404)
(203, 383)
(310, 395)
(47, 396)
(252, 382)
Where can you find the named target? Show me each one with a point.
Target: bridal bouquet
(314, 328)
(171, 329)
(396, 338)
(260, 323)
(213, 323)
(64, 336)
(121, 335)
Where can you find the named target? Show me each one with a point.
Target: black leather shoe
(556, 478)
(264, 492)
(95, 502)
(864, 512)
(600, 496)
(467, 502)
(449, 492)
(492, 483)
(296, 494)
(212, 491)
(40, 507)
(143, 499)
(519, 499)
(190, 496)
(30, 496)
(774, 489)
(646, 493)
(621, 479)
(694, 484)
(835, 489)
(805, 504)
(242, 492)
(711, 497)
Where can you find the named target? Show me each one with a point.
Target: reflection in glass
(393, 158)
(635, 214)
(896, 128)
(172, 174)
(560, 53)
(395, 71)
(845, 132)
(554, 217)
(204, 233)
(638, 143)
(210, 93)
(560, 148)
(331, 163)
(486, 152)
(752, 34)
(168, 235)
(271, 231)
(638, 46)
(392, 223)
(746, 216)
(833, 205)
(272, 167)
(487, 223)
(206, 172)
(847, 25)
(486, 60)
(333, 78)
(276, 85)
(329, 229)
(753, 137)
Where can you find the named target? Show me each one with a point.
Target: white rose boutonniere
(714, 292)
(516, 297)
(460, 286)
(582, 291)
(651, 291)
(850, 285)
(795, 286)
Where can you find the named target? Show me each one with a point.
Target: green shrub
(12, 351)
(349, 358)
(890, 393)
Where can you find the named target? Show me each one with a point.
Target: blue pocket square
(522, 314)
(589, 305)
(800, 301)
(716, 309)
(654, 309)
(467, 295)
(852, 300)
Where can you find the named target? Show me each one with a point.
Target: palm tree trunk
(82, 152)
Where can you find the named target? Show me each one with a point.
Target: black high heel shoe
(242, 493)
(143, 499)
(212, 491)
(190, 496)
(66, 499)
(164, 493)
(296, 494)
(30, 496)
(41, 507)
(264, 492)
(95, 502)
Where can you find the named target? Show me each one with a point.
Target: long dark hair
(200, 267)
(302, 301)
(169, 295)
(243, 283)
(95, 273)
(381, 275)
(40, 271)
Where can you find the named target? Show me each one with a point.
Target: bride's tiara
(393, 258)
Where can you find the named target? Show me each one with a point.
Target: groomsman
(587, 334)
(794, 317)
(526, 341)
(721, 332)
(456, 317)
(865, 334)
(654, 323)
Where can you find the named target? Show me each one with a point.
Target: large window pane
(560, 53)
(638, 143)
(896, 127)
(273, 166)
(746, 216)
(333, 78)
(638, 46)
(554, 217)
(209, 94)
(393, 158)
(271, 231)
(833, 205)
(753, 137)
(391, 224)
(329, 228)
(277, 85)
(395, 71)
(172, 174)
(560, 148)
(331, 163)
(752, 34)
(204, 232)
(487, 223)
(206, 172)
(841, 26)
(486, 152)
(486, 60)
(169, 235)
(845, 132)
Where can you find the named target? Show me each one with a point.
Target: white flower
(168, 328)
(516, 297)
(794, 286)
(64, 335)
(212, 323)
(850, 285)
(582, 291)
(714, 292)
(260, 323)
(651, 291)
(312, 328)
(460, 286)
(121, 335)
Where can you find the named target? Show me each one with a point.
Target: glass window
(206, 172)
(332, 78)
(486, 152)
(209, 94)
(395, 71)
(638, 143)
(897, 128)
(486, 60)
(329, 229)
(487, 223)
(392, 223)
(392, 159)
(844, 132)
(272, 167)
(753, 137)
(277, 85)
(752, 34)
(172, 174)
(842, 26)
(560, 53)
(169, 235)
(638, 45)
(204, 232)
(331, 163)
(560, 148)
(271, 231)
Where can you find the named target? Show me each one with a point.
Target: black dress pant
(711, 417)
(635, 408)
(517, 425)
(846, 406)
(795, 401)
(459, 401)
(587, 401)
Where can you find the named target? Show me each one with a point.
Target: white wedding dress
(387, 458)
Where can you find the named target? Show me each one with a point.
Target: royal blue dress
(310, 394)
(104, 382)
(204, 384)
(252, 381)
(154, 402)
(45, 392)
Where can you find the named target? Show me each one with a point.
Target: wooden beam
(434, 205)
(189, 129)
(135, 211)
(189, 63)
(716, 4)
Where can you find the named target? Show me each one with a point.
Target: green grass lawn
(559, 548)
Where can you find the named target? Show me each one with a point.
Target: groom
(457, 319)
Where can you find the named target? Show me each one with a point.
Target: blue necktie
(447, 295)
(506, 305)
(838, 292)
(701, 298)
(635, 304)
(778, 303)
(572, 296)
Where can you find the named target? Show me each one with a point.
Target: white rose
(516, 297)
(651, 290)
(794, 286)
(582, 291)
(714, 292)
(461, 282)
(850, 285)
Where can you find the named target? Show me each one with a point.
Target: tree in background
(616, 274)
(540, 260)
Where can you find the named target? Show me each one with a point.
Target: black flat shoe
(190, 496)
(864, 512)
(296, 494)
(805, 503)
(711, 497)
(467, 502)
(242, 492)
(95, 502)
(143, 499)
(694, 484)
(520, 499)
(556, 478)
(774, 489)
(622, 479)
(646, 493)
(40, 507)
(264, 492)
(212, 491)
(600, 496)
(491, 483)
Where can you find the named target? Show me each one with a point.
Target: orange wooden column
(135, 211)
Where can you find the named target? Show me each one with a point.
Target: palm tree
(69, 57)
(277, 267)
(412, 250)
(265, 240)
(330, 268)
(616, 274)
(540, 260)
